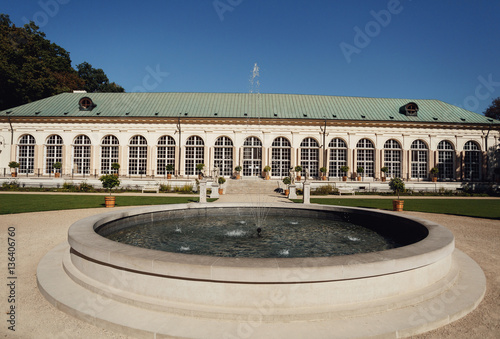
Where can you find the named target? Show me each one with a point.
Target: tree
(96, 80)
(31, 67)
(493, 111)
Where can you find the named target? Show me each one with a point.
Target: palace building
(143, 132)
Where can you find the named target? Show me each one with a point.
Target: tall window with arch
(309, 156)
(223, 156)
(26, 154)
(252, 157)
(472, 161)
(365, 157)
(165, 154)
(195, 153)
(137, 155)
(53, 153)
(446, 160)
(109, 154)
(280, 157)
(338, 157)
(419, 160)
(81, 155)
(392, 158)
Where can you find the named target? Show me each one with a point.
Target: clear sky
(447, 50)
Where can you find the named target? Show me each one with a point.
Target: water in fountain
(236, 235)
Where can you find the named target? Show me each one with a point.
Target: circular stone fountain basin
(219, 293)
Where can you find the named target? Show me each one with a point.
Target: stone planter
(109, 201)
(397, 205)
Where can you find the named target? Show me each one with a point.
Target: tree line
(33, 68)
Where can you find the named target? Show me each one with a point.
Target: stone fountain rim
(85, 242)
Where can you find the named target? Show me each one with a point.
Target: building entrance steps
(252, 190)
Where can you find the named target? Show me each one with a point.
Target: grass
(479, 208)
(22, 203)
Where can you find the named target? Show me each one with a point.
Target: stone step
(250, 186)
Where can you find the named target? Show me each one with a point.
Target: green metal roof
(242, 105)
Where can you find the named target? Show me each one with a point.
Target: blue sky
(446, 50)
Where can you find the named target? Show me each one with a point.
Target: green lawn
(481, 208)
(21, 203)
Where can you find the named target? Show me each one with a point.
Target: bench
(151, 188)
(346, 191)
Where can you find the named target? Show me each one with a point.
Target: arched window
(81, 155)
(365, 158)
(26, 154)
(109, 154)
(338, 157)
(392, 158)
(252, 157)
(137, 155)
(419, 159)
(446, 156)
(309, 156)
(165, 154)
(223, 156)
(472, 161)
(280, 157)
(195, 153)
(53, 153)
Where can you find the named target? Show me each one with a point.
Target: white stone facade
(231, 151)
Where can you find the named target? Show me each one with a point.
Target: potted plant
(287, 181)
(169, 168)
(200, 168)
(397, 185)
(298, 169)
(57, 166)
(13, 165)
(384, 170)
(360, 171)
(115, 167)
(267, 169)
(434, 172)
(109, 181)
(344, 169)
(238, 170)
(323, 173)
(221, 181)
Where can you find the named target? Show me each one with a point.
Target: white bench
(346, 191)
(151, 188)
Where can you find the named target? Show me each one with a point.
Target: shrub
(109, 181)
(323, 190)
(165, 188)
(85, 187)
(69, 186)
(397, 185)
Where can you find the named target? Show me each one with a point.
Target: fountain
(420, 283)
